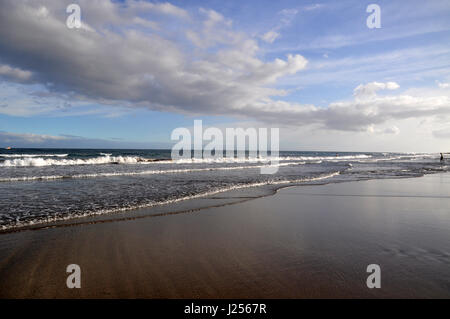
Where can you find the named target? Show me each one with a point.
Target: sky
(136, 70)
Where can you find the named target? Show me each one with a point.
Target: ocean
(39, 186)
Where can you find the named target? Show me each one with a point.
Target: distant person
(442, 157)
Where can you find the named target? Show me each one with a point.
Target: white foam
(406, 156)
(40, 161)
(317, 159)
(107, 159)
(32, 155)
(50, 219)
(30, 178)
(146, 172)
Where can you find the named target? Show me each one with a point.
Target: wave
(108, 159)
(31, 160)
(24, 160)
(400, 157)
(147, 172)
(318, 159)
(40, 161)
(52, 219)
(32, 155)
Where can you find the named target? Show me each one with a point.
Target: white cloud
(214, 18)
(161, 8)
(214, 29)
(15, 74)
(143, 69)
(346, 30)
(392, 130)
(313, 7)
(370, 89)
(388, 130)
(420, 63)
(8, 137)
(370, 114)
(19, 140)
(442, 133)
(270, 36)
(145, 23)
(288, 12)
(211, 69)
(286, 18)
(443, 85)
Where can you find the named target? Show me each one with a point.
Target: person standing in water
(442, 157)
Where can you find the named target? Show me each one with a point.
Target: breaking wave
(32, 155)
(131, 179)
(147, 172)
(39, 160)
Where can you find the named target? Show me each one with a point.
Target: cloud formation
(443, 85)
(28, 140)
(370, 89)
(270, 36)
(147, 69)
(14, 74)
(161, 57)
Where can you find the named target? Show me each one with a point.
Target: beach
(312, 241)
(188, 151)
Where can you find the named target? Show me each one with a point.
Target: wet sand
(303, 242)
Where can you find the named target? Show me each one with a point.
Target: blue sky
(136, 70)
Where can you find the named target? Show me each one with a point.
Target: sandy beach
(302, 242)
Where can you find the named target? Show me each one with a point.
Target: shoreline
(257, 190)
(184, 205)
(302, 242)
